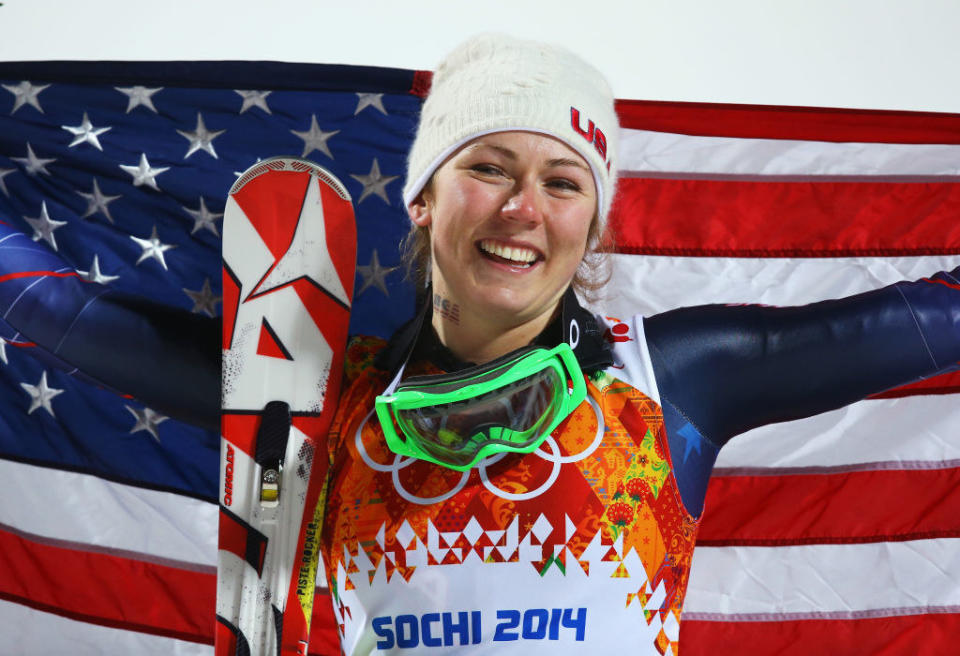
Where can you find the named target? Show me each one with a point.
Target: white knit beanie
(497, 83)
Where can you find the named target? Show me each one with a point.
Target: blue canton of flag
(115, 186)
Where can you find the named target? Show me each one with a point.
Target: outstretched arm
(722, 370)
(165, 357)
(732, 368)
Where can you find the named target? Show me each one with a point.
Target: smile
(517, 256)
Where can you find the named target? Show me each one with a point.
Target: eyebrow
(506, 152)
(566, 161)
(511, 155)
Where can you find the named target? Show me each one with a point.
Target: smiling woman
(512, 510)
(512, 187)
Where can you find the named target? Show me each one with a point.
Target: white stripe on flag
(646, 284)
(28, 631)
(818, 580)
(882, 431)
(91, 513)
(645, 152)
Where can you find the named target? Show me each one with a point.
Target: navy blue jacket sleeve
(723, 370)
(165, 357)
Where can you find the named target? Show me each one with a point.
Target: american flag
(838, 533)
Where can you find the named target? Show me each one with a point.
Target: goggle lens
(513, 416)
(456, 420)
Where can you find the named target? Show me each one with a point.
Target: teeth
(512, 253)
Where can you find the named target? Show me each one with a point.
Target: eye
(487, 169)
(564, 184)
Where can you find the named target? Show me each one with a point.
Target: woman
(580, 538)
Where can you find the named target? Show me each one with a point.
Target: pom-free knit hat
(497, 83)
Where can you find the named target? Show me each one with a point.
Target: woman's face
(509, 216)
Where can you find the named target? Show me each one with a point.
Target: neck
(480, 339)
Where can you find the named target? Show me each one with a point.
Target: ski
(289, 251)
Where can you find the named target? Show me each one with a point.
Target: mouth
(519, 257)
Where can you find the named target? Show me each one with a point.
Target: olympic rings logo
(553, 456)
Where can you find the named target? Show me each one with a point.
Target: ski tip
(293, 165)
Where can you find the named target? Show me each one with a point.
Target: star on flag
(33, 164)
(315, 138)
(254, 99)
(97, 201)
(153, 248)
(374, 183)
(146, 420)
(3, 185)
(94, 274)
(201, 138)
(203, 218)
(204, 300)
(25, 93)
(365, 100)
(139, 95)
(374, 274)
(85, 133)
(43, 226)
(41, 395)
(143, 173)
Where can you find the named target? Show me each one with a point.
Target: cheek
(473, 199)
(575, 230)
(449, 205)
(461, 209)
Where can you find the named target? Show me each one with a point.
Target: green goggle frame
(508, 405)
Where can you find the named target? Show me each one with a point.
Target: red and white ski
(289, 253)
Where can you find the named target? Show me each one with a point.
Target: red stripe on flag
(942, 384)
(942, 282)
(420, 86)
(736, 218)
(834, 508)
(774, 121)
(904, 635)
(108, 590)
(803, 123)
(35, 274)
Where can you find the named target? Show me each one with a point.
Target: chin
(517, 304)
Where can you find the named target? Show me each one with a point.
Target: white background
(881, 54)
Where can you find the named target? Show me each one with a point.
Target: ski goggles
(508, 405)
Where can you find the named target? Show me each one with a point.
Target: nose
(523, 206)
